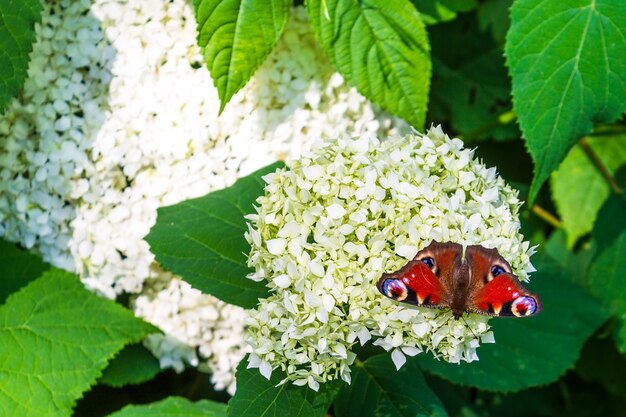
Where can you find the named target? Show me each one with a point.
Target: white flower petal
(266, 369)
(276, 246)
(398, 358)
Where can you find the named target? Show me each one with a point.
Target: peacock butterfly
(478, 281)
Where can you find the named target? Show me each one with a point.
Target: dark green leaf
(55, 339)
(533, 351)
(133, 365)
(259, 397)
(468, 402)
(202, 240)
(377, 389)
(600, 362)
(17, 34)
(611, 222)
(437, 11)
(606, 277)
(578, 188)
(17, 268)
(381, 48)
(174, 407)
(568, 66)
(237, 36)
(575, 264)
(493, 15)
(470, 88)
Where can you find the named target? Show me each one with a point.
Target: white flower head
(344, 213)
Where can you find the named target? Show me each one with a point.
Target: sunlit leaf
(55, 339)
(568, 66)
(381, 48)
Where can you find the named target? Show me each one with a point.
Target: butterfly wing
(427, 279)
(494, 290)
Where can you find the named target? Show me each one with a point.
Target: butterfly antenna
(470, 328)
(441, 314)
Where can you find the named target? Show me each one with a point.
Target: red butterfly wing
(494, 290)
(505, 296)
(426, 280)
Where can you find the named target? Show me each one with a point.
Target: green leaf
(236, 36)
(202, 240)
(532, 351)
(493, 15)
(381, 48)
(55, 339)
(606, 279)
(437, 11)
(468, 402)
(17, 268)
(578, 188)
(600, 362)
(377, 389)
(568, 66)
(259, 397)
(133, 365)
(174, 407)
(17, 34)
(470, 86)
(575, 264)
(611, 222)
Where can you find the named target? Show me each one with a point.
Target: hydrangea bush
(130, 158)
(344, 213)
(93, 155)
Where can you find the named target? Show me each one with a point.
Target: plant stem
(503, 119)
(606, 174)
(548, 217)
(608, 130)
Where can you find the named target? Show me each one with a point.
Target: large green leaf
(568, 66)
(437, 11)
(378, 390)
(174, 407)
(257, 396)
(578, 188)
(55, 339)
(17, 268)
(133, 365)
(531, 351)
(236, 37)
(17, 34)
(202, 240)
(381, 48)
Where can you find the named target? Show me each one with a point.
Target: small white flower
(276, 246)
(336, 211)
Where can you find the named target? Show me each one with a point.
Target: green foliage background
(538, 86)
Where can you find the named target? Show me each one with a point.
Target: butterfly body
(478, 280)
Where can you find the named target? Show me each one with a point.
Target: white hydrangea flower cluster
(346, 212)
(118, 117)
(46, 135)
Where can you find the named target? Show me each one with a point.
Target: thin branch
(608, 130)
(595, 159)
(503, 119)
(546, 216)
